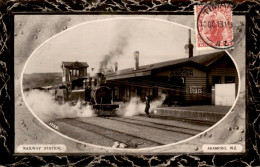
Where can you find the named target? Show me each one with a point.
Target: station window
(74, 72)
(116, 92)
(155, 92)
(229, 79)
(127, 91)
(151, 92)
(216, 80)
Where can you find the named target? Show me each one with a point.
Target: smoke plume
(136, 106)
(117, 51)
(47, 109)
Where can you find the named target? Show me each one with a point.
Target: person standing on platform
(147, 106)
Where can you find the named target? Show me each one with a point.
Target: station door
(225, 94)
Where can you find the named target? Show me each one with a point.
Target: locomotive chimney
(136, 57)
(116, 66)
(189, 47)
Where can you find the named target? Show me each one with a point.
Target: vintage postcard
(128, 84)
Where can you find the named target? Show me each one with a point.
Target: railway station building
(74, 72)
(73, 75)
(194, 80)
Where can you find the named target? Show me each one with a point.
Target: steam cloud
(119, 50)
(47, 109)
(136, 106)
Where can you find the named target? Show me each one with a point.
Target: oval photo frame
(109, 47)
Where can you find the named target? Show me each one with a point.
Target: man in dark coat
(147, 106)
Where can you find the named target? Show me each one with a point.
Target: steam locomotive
(92, 91)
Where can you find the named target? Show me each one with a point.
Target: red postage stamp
(213, 25)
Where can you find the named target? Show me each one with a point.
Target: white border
(128, 150)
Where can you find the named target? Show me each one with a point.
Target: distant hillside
(41, 79)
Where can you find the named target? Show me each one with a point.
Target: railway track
(135, 132)
(166, 127)
(112, 134)
(188, 120)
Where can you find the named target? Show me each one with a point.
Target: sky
(118, 38)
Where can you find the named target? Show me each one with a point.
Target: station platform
(206, 113)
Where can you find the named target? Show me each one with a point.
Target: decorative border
(248, 8)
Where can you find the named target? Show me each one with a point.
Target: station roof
(202, 61)
(75, 64)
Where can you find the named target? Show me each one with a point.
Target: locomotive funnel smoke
(136, 106)
(47, 109)
(118, 51)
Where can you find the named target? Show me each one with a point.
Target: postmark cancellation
(213, 26)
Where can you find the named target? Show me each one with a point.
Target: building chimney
(189, 47)
(136, 57)
(116, 66)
